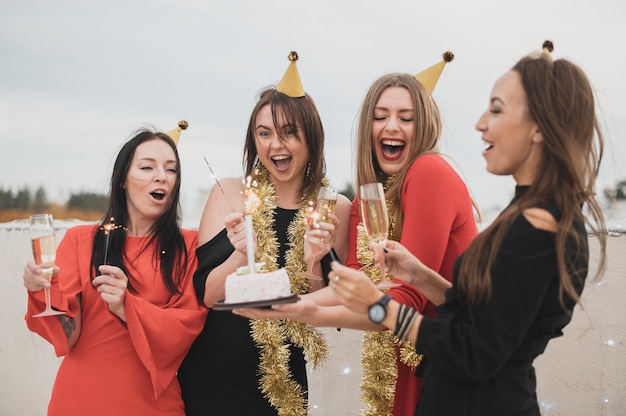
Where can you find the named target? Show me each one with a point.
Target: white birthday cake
(243, 287)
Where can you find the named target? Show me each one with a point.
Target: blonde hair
(425, 138)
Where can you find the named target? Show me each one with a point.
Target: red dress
(118, 368)
(438, 226)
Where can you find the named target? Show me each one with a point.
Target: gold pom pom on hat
(429, 77)
(547, 49)
(175, 134)
(291, 84)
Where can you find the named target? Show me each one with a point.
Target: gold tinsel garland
(378, 359)
(273, 336)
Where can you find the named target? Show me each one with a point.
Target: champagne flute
(376, 222)
(324, 204)
(43, 243)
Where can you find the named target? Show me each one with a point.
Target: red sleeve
(430, 192)
(162, 334)
(355, 219)
(435, 202)
(433, 196)
(406, 294)
(65, 286)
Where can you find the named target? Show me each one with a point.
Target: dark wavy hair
(171, 251)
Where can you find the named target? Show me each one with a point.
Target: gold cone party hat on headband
(547, 49)
(429, 77)
(291, 84)
(175, 134)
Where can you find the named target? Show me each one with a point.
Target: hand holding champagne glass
(324, 204)
(376, 221)
(43, 243)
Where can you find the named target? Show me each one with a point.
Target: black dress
(219, 374)
(478, 360)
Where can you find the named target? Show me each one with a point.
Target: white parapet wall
(584, 371)
(581, 373)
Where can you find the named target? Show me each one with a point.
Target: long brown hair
(561, 101)
(425, 139)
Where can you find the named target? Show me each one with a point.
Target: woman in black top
(239, 366)
(516, 285)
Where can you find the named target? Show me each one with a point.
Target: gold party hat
(547, 49)
(175, 134)
(429, 77)
(291, 84)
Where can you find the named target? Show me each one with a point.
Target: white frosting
(258, 286)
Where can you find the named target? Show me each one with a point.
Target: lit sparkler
(107, 228)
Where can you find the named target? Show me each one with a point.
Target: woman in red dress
(131, 312)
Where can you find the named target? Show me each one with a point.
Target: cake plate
(267, 303)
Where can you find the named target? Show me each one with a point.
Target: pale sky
(77, 78)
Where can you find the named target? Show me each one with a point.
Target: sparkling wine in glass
(43, 243)
(376, 221)
(324, 204)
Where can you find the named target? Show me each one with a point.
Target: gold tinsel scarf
(378, 358)
(273, 336)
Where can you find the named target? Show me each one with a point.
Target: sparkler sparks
(107, 228)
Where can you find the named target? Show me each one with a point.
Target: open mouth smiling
(281, 162)
(392, 149)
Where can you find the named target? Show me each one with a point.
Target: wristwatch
(378, 311)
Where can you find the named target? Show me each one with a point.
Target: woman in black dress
(239, 366)
(516, 286)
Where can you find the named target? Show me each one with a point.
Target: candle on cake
(251, 202)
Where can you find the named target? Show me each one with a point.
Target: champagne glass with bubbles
(43, 243)
(376, 221)
(324, 205)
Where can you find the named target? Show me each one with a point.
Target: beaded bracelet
(402, 311)
(406, 316)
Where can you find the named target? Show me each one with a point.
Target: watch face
(377, 313)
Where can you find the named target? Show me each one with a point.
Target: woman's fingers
(33, 277)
